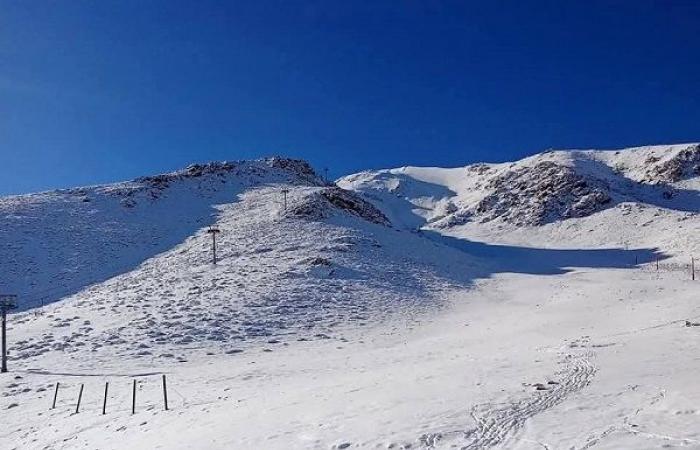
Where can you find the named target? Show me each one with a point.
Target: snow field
(322, 329)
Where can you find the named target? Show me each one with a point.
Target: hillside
(512, 305)
(568, 198)
(131, 263)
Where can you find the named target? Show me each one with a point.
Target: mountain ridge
(539, 189)
(356, 304)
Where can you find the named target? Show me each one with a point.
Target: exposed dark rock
(320, 205)
(128, 203)
(318, 261)
(541, 194)
(297, 168)
(685, 164)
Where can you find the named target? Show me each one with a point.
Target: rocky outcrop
(684, 164)
(297, 169)
(323, 203)
(541, 194)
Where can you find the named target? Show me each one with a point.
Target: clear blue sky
(98, 91)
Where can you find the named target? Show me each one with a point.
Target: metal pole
(7, 302)
(213, 231)
(213, 237)
(55, 395)
(165, 393)
(80, 397)
(104, 403)
(133, 400)
(3, 369)
(284, 195)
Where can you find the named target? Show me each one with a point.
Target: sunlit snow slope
(513, 305)
(645, 197)
(130, 265)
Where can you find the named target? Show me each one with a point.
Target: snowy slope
(56, 243)
(568, 199)
(132, 266)
(510, 305)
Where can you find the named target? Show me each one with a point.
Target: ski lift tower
(284, 194)
(213, 231)
(7, 302)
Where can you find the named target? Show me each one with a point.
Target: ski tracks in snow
(497, 423)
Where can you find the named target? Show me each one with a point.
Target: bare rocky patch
(683, 165)
(324, 203)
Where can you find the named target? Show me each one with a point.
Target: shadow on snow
(541, 261)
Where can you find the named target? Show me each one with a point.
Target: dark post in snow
(104, 402)
(133, 399)
(55, 396)
(325, 174)
(80, 397)
(692, 268)
(213, 231)
(165, 394)
(284, 194)
(7, 302)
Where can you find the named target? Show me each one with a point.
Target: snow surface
(330, 324)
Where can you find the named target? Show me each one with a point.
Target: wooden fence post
(165, 393)
(692, 268)
(55, 395)
(104, 403)
(80, 397)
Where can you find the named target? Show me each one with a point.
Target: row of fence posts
(692, 265)
(104, 402)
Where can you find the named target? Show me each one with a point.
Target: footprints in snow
(495, 424)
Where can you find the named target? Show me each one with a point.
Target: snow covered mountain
(134, 259)
(58, 242)
(512, 305)
(646, 188)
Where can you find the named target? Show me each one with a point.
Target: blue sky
(93, 92)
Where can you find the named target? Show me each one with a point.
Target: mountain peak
(544, 188)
